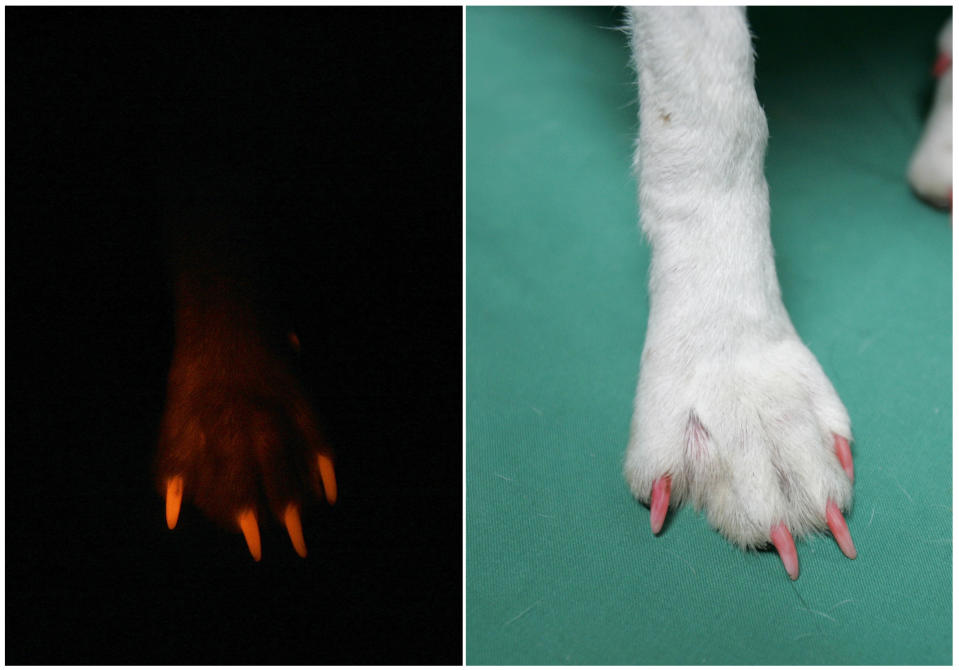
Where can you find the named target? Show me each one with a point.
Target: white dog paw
(930, 168)
(752, 432)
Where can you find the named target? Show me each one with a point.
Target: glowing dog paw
(239, 438)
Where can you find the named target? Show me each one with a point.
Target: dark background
(346, 126)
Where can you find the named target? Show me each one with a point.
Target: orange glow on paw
(174, 496)
(328, 476)
(251, 532)
(291, 519)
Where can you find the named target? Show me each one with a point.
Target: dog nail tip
(844, 454)
(659, 504)
(251, 533)
(943, 63)
(291, 519)
(782, 539)
(174, 497)
(655, 525)
(328, 476)
(839, 529)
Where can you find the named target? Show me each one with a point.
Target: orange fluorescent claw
(328, 476)
(174, 496)
(251, 532)
(783, 541)
(659, 503)
(839, 529)
(291, 518)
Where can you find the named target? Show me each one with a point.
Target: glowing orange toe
(291, 518)
(251, 532)
(174, 496)
(328, 476)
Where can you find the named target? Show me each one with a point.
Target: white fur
(930, 169)
(730, 403)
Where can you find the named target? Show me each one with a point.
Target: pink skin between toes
(659, 504)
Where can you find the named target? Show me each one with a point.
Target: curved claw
(844, 454)
(251, 532)
(328, 475)
(174, 496)
(839, 529)
(291, 519)
(783, 541)
(659, 504)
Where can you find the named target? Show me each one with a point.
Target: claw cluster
(246, 518)
(779, 534)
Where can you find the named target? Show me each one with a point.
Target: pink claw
(659, 504)
(839, 529)
(783, 541)
(844, 454)
(943, 63)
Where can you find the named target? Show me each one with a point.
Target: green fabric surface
(561, 565)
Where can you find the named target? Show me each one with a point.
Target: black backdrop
(349, 121)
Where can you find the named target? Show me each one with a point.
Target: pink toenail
(844, 454)
(659, 504)
(839, 529)
(783, 541)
